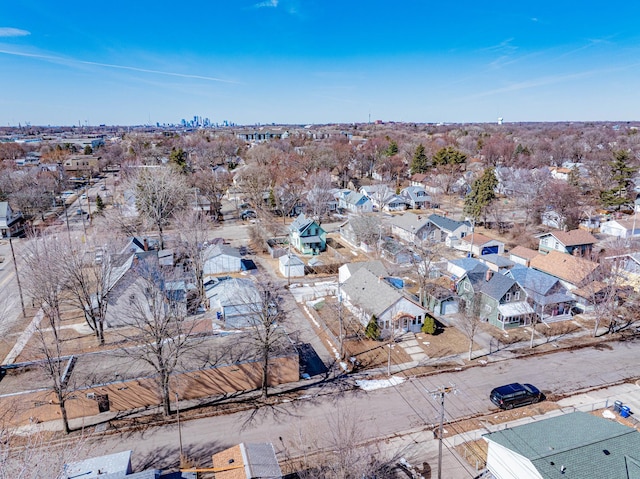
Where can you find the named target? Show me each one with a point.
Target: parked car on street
(515, 395)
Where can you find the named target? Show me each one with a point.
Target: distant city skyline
(315, 62)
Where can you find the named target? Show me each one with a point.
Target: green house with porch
(495, 298)
(307, 236)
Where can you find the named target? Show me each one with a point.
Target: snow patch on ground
(373, 384)
(608, 414)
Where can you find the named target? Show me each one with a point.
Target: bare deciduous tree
(266, 318)
(35, 455)
(157, 317)
(193, 233)
(43, 279)
(89, 274)
(338, 450)
(160, 194)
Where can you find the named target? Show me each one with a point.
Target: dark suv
(515, 395)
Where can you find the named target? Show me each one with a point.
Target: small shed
(291, 266)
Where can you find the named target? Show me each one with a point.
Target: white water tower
(499, 120)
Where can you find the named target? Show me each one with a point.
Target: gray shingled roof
(495, 288)
(370, 292)
(410, 222)
(261, 461)
(447, 224)
(374, 266)
(589, 447)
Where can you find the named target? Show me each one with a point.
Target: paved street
(406, 411)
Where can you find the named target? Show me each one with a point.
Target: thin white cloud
(13, 32)
(549, 80)
(109, 65)
(267, 4)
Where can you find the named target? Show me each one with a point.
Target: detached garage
(479, 245)
(291, 266)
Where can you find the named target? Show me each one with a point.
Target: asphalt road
(383, 413)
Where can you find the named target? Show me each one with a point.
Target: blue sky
(312, 61)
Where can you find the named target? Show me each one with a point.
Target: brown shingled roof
(574, 237)
(477, 238)
(522, 252)
(572, 269)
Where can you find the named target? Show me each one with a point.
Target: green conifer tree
(372, 331)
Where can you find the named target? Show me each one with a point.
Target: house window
(463, 234)
(516, 295)
(132, 299)
(467, 287)
(507, 297)
(487, 308)
(557, 245)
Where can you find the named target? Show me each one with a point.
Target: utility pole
(440, 393)
(340, 320)
(179, 430)
(15, 266)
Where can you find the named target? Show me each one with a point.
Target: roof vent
(606, 452)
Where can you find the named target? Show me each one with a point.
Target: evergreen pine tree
(429, 326)
(372, 331)
(420, 163)
(99, 203)
(449, 156)
(481, 195)
(621, 174)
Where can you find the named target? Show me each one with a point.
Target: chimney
(146, 245)
(488, 275)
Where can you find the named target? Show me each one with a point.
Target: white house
(416, 197)
(410, 227)
(622, 228)
(354, 202)
(367, 295)
(11, 224)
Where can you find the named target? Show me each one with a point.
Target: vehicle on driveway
(247, 214)
(515, 395)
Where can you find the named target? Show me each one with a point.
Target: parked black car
(515, 395)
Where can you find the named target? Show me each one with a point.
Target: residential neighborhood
(186, 289)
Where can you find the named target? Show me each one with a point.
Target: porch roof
(515, 309)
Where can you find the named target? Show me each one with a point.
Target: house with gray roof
(457, 268)
(549, 298)
(495, 298)
(362, 231)
(448, 230)
(416, 197)
(410, 227)
(578, 445)
(496, 262)
(367, 295)
(374, 266)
